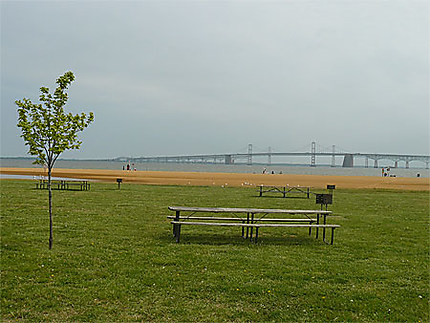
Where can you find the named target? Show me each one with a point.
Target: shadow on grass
(227, 239)
(281, 197)
(61, 190)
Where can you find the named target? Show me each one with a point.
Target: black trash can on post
(119, 181)
(324, 199)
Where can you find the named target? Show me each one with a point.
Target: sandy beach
(229, 179)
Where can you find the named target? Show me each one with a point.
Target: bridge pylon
(348, 160)
(333, 156)
(269, 156)
(228, 160)
(313, 152)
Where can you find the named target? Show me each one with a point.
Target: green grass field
(114, 258)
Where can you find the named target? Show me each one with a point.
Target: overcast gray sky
(191, 77)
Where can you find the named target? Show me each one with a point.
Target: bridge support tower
(249, 154)
(313, 151)
(228, 160)
(333, 156)
(269, 156)
(348, 160)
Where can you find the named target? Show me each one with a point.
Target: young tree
(48, 131)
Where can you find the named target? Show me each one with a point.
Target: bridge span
(248, 158)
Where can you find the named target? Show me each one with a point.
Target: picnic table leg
(261, 191)
(318, 222)
(175, 226)
(308, 192)
(178, 232)
(243, 229)
(256, 234)
(252, 221)
(332, 235)
(325, 217)
(247, 222)
(285, 192)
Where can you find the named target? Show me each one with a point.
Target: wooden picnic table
(249, 219)
(285, 190)
(64, 184)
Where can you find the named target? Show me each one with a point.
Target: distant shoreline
(230, 179)
(116, 160)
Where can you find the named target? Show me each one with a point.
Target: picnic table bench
(63, 185)
(249, 219)
(284, 190)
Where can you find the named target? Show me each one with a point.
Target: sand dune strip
(229, 179)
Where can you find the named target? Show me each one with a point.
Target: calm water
(238, 168)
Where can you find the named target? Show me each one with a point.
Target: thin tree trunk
(50, 209)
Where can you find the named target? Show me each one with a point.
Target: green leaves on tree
(46, 128)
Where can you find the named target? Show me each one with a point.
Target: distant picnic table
(64, 185)
(249, 219)
(286, 190)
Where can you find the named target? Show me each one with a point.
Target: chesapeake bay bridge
(397, 160)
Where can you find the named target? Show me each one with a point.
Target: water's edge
(222, 168)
